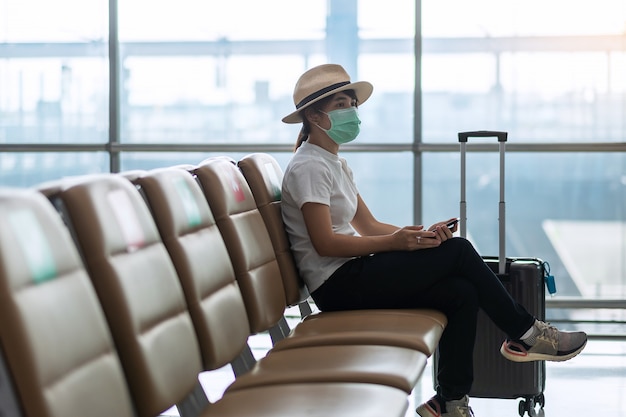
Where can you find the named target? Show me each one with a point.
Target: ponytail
(302, 136)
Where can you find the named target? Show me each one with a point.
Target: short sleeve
(309, 182)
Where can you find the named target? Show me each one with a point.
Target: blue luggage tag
(549, 279)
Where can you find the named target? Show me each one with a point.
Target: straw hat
(323, 81)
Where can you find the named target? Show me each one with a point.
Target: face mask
(344, 125)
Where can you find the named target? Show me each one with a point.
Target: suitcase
(524, 278)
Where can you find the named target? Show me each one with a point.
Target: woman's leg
(458, 300)
(399, 279)
(453, 296)
(452, 279)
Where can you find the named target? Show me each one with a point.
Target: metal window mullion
(417, 118)
(114, 90)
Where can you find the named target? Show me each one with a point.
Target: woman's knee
(464, 253)
(461, 244)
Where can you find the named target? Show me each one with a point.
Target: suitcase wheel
(528, 404)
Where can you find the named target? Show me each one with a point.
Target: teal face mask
(344, 125)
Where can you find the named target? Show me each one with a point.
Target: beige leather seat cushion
(413, 329)
(52, 328)
(384, 365)
(138, 288)
(312, 400)
(194, 243)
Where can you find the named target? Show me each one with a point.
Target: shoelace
(549, 333)
(465, 410)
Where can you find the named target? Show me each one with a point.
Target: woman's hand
(414, 238)
(442, 231)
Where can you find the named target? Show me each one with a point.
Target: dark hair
(303, 135)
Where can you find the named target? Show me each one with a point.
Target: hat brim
(362, 89)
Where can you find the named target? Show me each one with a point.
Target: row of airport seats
(118, 290)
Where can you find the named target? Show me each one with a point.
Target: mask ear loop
(329, 119)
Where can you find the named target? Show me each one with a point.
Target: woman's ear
(312, 115)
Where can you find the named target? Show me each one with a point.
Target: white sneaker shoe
(455, 408)
(547, 343)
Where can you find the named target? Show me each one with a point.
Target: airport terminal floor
(592, 383)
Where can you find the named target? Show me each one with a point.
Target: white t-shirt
(315, 175)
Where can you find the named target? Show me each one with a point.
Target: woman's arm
(328, 243)
(366, 224)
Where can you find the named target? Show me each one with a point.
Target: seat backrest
(264, 176)
(195, 244)
(138, 288)
(53, 331)
(248, 243)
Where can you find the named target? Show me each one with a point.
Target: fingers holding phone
(444, 230)
(452, 225)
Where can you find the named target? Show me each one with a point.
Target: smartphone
(452, 223)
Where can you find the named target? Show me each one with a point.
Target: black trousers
(451, 278)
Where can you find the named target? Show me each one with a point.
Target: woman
(350, 260)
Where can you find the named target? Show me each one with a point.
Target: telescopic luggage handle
(463, 136)
(502, 137)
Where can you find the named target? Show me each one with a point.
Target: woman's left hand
(442, 231)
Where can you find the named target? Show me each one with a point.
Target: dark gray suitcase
(495, 376)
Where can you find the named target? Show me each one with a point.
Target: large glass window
(546, 72)
(550, 74)
(194, 73)
(566, 208)
(53, 86)
(220, 78)
(53, 71)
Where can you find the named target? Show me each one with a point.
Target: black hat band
(319, 93)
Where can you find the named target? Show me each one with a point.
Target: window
(552, 78)
(198, 79)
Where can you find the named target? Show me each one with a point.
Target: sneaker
(455, 408)
(547, 343)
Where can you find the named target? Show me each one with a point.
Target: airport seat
(190, 233)
(53, 332)
(143, 300)
(194, 243)
(418, 329)
(246, 239)
(264, 177)
(137, 287)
